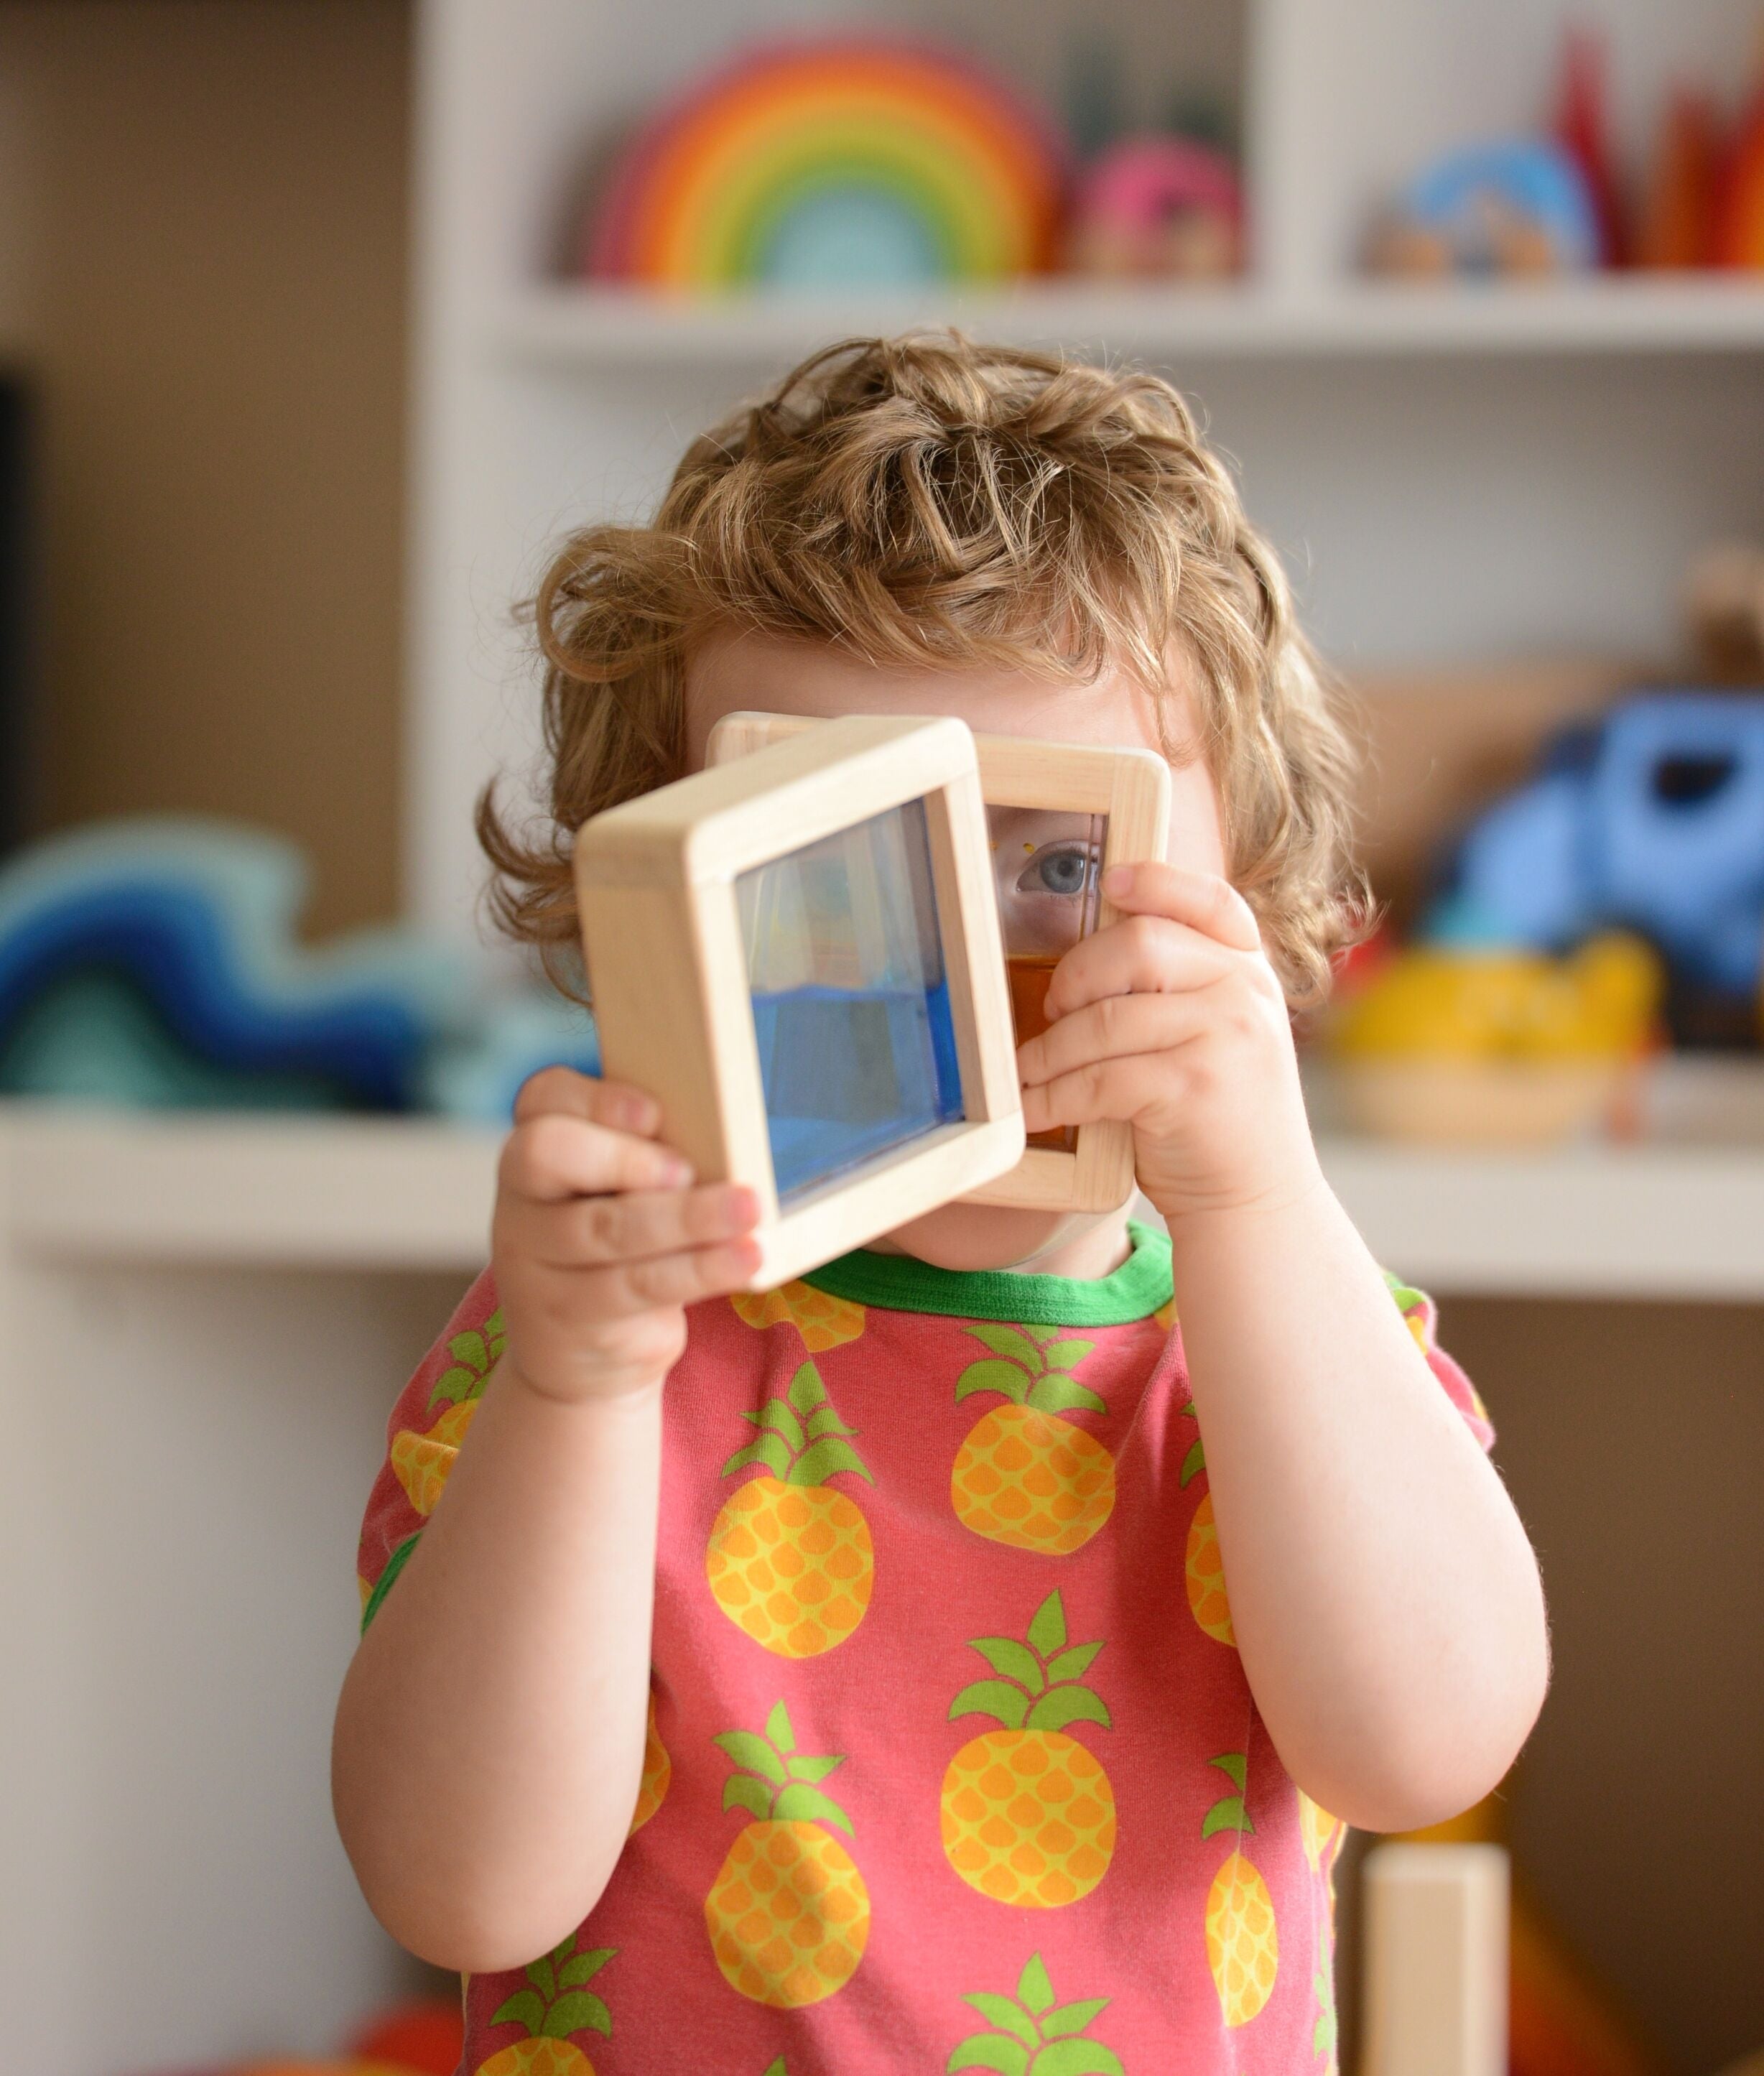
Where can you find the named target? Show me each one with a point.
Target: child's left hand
(1173, 1021)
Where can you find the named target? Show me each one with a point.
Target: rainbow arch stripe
(834, 163)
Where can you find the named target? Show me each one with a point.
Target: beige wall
(202, 251)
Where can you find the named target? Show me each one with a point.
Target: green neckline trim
(900, 1284)
(383, 1585)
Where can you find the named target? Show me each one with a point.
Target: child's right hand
(599, 1241)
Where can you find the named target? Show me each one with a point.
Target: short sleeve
(1423, 1315)
(428, 1423)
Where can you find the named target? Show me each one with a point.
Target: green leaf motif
(777, 2067)
(1234, 1766)
(1005, 2013)
(806, 1392)
(826, 1459)
(1068, 1355)
(1011, 1659)
(1072, 1664)
(1007, 1704)
(769, 1450)
(754, 1754)
(544, 1978)
(1033, 1986)
(990, 2050)
(561, 1952)
(1056, 1392)
(1228, 1815)
(455, 1385)
(776, 1414)
(1013, 1346)
(1047, 1631)
(1071, 2018)
(816, 1769)
(525, 2008)
(741, 1791)
(1070, 1704)
(799, 1803)
(1077, 2058)
(778, 1728)
(992, 1376)
(826, 1421)
(581, 1968)
(1192, 1464)
(581, 2011)
(469, 1348)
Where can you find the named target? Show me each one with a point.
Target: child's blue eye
(1062, 869)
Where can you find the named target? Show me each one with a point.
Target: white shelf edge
(1654, 1222)
(565, 325)
(237, 1190)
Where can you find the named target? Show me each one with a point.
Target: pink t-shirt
(951, 1761)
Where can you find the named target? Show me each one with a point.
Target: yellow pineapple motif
(1022, 1476)
(1027, 1813)
(555, 2004)
(658, 1771)
(1324, 2032)
(1165, 1315)
(421, 1462)
(823, 1321)
(1031, 2035)
(790, 1559)
(1320, 1833)
(1203, 1567)
(788, 1913)
(1243, 1947)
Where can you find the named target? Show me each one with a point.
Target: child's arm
(489, 1739)
(1383, 1595)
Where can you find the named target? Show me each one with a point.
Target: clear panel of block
(851, 999)
(1047, 867)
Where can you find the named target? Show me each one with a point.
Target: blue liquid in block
(850, 1074)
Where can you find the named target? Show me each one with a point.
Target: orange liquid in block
(1028, 976)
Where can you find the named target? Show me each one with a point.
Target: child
(856, 1659)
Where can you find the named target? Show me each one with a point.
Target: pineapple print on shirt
(1027, 1813)
(1203, 1565)
(1242, 1945)
(788, 1914)
(658, 1771)
(1023, 1475)
(554, 2003)
(422, 1461)
(790, 1559)
(823, 1321)
(1031, 2035)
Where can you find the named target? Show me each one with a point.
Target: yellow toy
(1497, 1047)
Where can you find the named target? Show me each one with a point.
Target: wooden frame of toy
(1130, 789)
(798, 956)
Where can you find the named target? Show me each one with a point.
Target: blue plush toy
(1653, 820)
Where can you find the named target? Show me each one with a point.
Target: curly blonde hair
(930, 502)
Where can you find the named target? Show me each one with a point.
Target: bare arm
(1383, 1593)
(489, 1738)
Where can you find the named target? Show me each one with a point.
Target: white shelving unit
(1457, 475)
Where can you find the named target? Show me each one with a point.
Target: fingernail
(742, 1206)
(676, 1173)
(640, 1113)
(1117, 880)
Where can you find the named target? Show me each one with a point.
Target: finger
(563, 1091)
(1116, 1027)
(1139, 955)
(587, 1231)
(1201, 899)
(1104, 1091)
(624, 1288)
(554, 1156)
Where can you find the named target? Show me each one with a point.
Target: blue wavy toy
(197, 918)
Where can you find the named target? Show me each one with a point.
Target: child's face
(1042, 863)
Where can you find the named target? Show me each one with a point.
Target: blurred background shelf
(589, 328)
(379, 1194)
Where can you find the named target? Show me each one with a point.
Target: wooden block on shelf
(1435, 1932)
(798, 956)
(1128, 791)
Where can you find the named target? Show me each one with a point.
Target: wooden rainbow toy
(837, 162)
